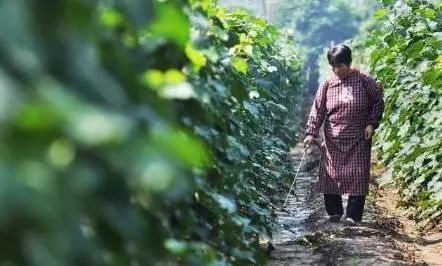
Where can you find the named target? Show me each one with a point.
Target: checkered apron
(345, 107)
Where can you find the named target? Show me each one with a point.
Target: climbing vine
(141, 132)
(405, 54)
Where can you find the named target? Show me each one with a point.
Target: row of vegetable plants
(404, 51)
(142, 132)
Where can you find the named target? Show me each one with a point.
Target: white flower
(272, 69)
(253, 95)
(180, 91)
(248, 50)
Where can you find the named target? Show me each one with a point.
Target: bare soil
(385, 237)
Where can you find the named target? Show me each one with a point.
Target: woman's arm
(317, 111)
(376, 102)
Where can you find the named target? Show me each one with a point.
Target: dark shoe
(334, 218)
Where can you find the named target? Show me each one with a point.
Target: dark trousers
(355, 206)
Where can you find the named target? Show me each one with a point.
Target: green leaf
(111, 18)
(174, 76)
(429, 13)
(61, 153)
(387, 2)
(38, 117)
(432, 77)
(236, 151)
(240, 65)
(198, 60)
(176, 246)
(184, 146)
(380, 13)
(97, 127)
(182, 91)
(153, 78)
(252, 108)
(225, 203)
(171, 23)
(155, 175)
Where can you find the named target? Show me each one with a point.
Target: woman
(351, 106)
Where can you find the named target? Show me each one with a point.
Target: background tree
(317, 24)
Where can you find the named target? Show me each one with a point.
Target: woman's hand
(369, 131)
(379, 85)
(308, 141)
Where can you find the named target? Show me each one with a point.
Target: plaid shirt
(345, 107)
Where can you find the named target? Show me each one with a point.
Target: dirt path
(305, 237)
